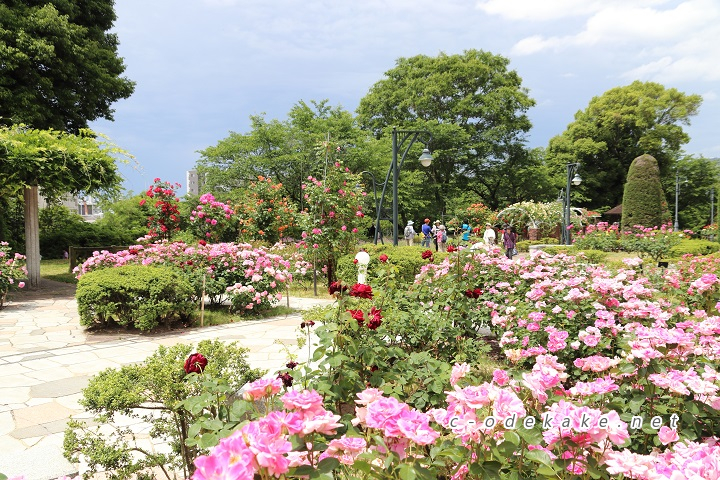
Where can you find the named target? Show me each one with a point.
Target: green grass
(222, 316)
(57, 270)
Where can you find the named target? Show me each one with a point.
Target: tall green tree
(57, 163)
(616, 127)
(697, 176)
(475, 108)
(643, 199)
(287, 151)
(59, 66)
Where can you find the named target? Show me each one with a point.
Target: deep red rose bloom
(308, 324)
(355, 261)
(337, 287)
(451, 248)
(361, 291)
(427, 254)
(357, 315)
(383, 258)
(291, 365)
(195, 363)
(286, 378)
(473, 293)
(202, 242)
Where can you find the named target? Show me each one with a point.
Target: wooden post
(32, 235)
(202, 304)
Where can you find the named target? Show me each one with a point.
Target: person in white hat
(410, 233)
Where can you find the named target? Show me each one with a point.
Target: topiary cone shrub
(644, 202)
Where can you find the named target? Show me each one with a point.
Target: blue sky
(202, 67)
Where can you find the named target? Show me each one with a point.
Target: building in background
(193, 182)
(86, 207)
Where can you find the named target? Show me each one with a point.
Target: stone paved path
(46, 359)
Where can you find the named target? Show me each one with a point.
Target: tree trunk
(32, 235)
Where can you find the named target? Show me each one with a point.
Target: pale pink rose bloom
(262, 388)
(231, 458)
(308, 402)
(508, 404)
(325, 423)
(368, 395)
(667, 435)
(500, 377)
(21, 285)
(459, 370)
(384, 412)
(414, 425)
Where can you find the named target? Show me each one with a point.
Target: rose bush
(251, 277)
(12, 269)
(165, 219)
(617, 373)
(211, 220)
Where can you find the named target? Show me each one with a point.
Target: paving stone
(40, 414)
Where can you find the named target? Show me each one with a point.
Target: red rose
(286, 378)
(355, 261)
(451, 248)
(202, 242)
(357, 315)
(195, 363)
(473, 293)
(337, 287)
(427, 254)
(376, 319)
(361, 291)
(383, 258)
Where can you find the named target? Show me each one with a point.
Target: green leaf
(328, 464)
(539, 456)
(532, 436)
(208, 440)
(302, 470)
(406, 472)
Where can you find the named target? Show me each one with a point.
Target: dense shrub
(694, 247)
(216, 266)
(60, 228)
(407, 260)
(524, 245)
(154, 391)
(643, 199)
(134, 296)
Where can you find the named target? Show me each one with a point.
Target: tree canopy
(286, 151)
(618, 126)
(59, 68)
(475, 109)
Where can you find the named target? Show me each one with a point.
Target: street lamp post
(572, 178)
(399, 137)
(676, 225)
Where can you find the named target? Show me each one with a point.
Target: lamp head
(576, 180)
(426, 158)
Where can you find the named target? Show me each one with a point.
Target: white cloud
(544, 10)
(679, 41)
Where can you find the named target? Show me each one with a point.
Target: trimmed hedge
(695, 247)
(408, 261)
(524, 245)
(134, 296)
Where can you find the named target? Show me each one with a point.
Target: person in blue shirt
(466, 231)
(427, 233)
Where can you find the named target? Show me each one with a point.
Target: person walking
(509, 240)
(433, 233)
(426, 230)
(441, 238)
(410, 233)
(489, 235)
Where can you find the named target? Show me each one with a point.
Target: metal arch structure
(399, 138)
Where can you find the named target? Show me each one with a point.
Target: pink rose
(667, 435)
